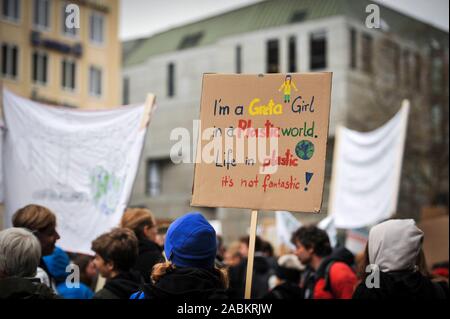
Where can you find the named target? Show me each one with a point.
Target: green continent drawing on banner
(105, 188)
(304, 150)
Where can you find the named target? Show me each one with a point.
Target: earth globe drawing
(304, 150)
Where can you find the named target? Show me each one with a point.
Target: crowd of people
(192, 263)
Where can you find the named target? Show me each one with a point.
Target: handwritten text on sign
(263, 141)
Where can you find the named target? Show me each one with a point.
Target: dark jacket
(403, 285)
(186, 284)
(260, 282)
(24, 288)
(149, 255)
(287, 290)
(120, 287)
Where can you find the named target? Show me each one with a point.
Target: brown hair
(136, 219)
(34, 217)
(161, 269)
(119, 246)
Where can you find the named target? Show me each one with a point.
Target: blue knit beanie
(191, 242)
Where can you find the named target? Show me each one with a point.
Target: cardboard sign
(262, 141)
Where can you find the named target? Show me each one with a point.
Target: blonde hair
(136, 219)
(34, 217)
(161, 269)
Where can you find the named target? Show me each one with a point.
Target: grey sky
(145, 17)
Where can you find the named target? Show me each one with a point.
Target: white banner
(327, 224)
(286, 225)
(81, 164)
(366, 173)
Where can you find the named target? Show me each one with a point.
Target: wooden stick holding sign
(149, 109)
(251, 254)
(285, 118)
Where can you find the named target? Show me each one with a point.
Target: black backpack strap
(327, 277)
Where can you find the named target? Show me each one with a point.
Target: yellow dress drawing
(286, 87)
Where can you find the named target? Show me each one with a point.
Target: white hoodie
(395, 244)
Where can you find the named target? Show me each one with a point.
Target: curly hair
(313, 237)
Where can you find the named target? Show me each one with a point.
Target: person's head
(288, 78)
(20, 253)
(191, 242)
(267, 249)
(220, 247)
(161, 235)
(395, 245)
(142, 222)
(232, 256)
(88, 272)
(42, 222)
(115, 252)
(289, 268)
(311, 242)
(244, 244)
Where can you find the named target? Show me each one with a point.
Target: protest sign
(262, 141)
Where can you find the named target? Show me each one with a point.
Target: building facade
(45, 59)
(281, 36)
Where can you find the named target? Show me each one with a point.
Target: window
(190, 41)
(437, 71)
(126, 91)
(273, 60)
(406, 68)
(418, 72)
(68, 76)
(292, 54)
(318, 50)
(96, 27)
(41, 13)
(72, 32)
(353, 49)
(11, 10)
(397, 62)
(9, 56)
(40, 64)
(389, 61)
(95, 81)
(171, 80)
(298, 16)
(367, 53)
(153, 182)
(238, 59)
(436, 121)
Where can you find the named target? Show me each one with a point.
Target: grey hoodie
(394, 245)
